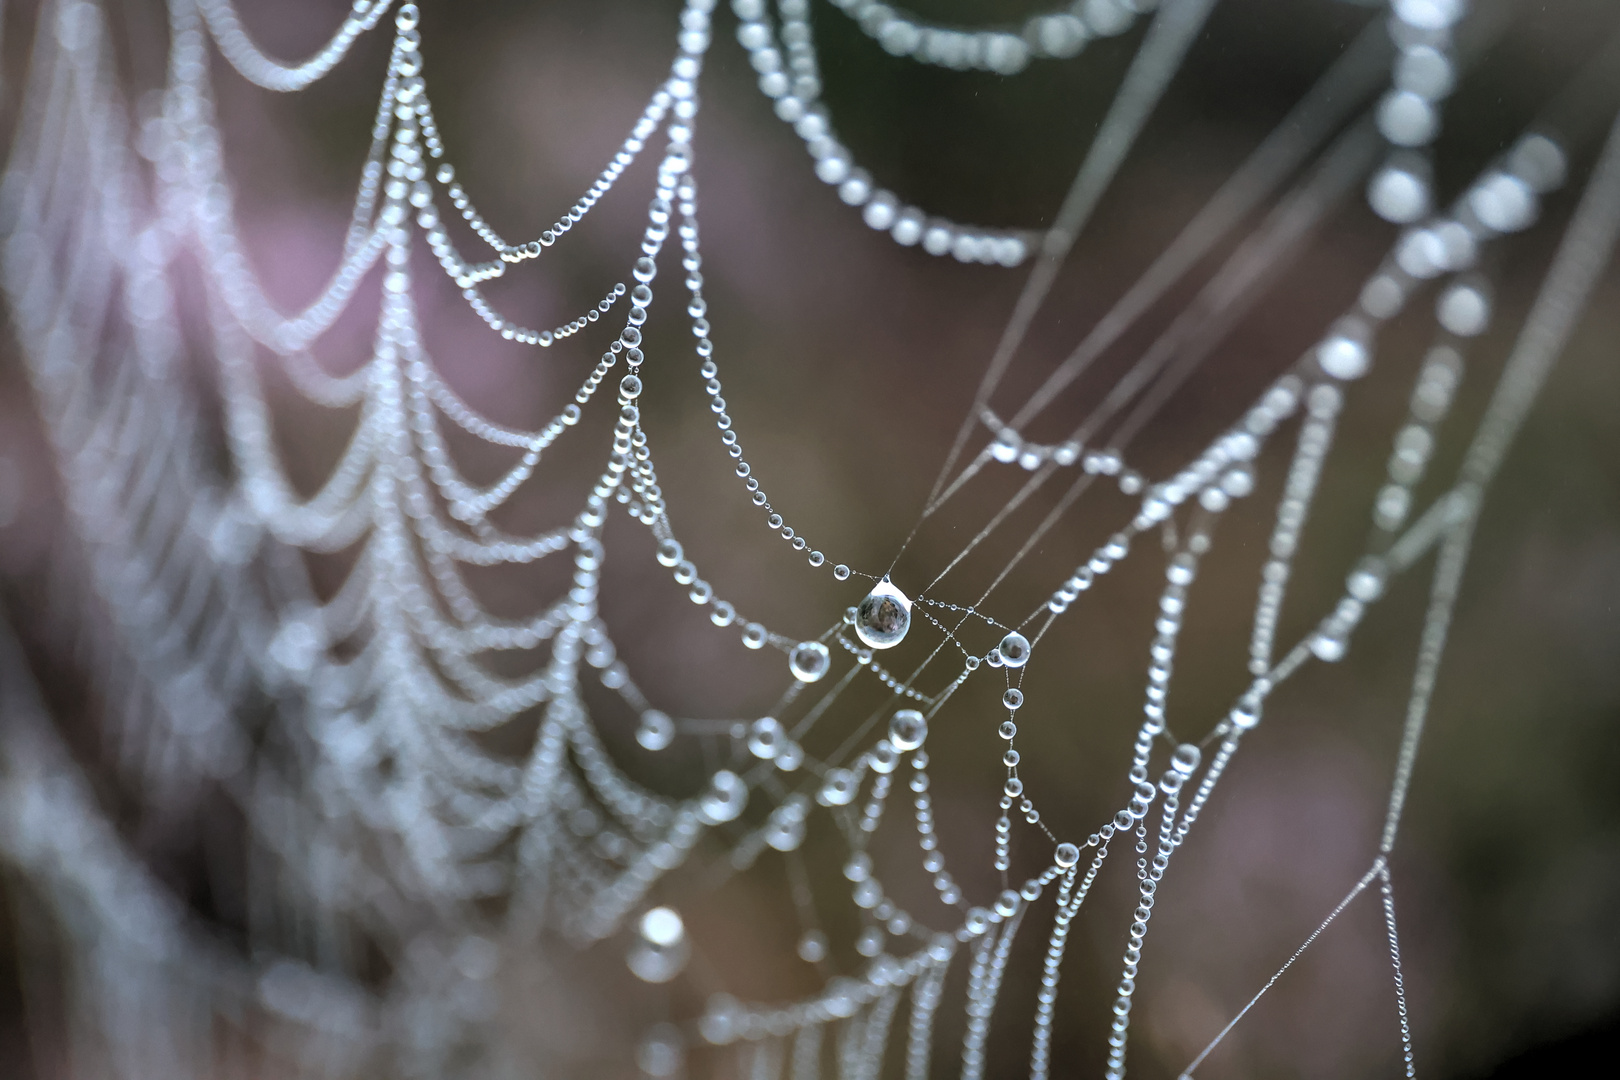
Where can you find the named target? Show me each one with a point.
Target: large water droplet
(1014, 650)
(725, 799)
(908, 729)
(882, 619)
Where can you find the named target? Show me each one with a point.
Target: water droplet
(809, 661)
(1503, 203)
(656, 731)
(662, 1052)
(754, 636)
(1464, 309)
(870, 943)
(907, 729)
(661, 948)
(1399, 192)
(1425, 71)
(1407, 119)
(884, 757)
(1185, 759)
(1013, 698)
(765, 737)
(841, 572)
(1429, 14)
(839, 788)
(725, 799)
(669, 552)
(813, 946)
(785, 831)
(1328, 646)
(1066, 855)
(883, 618)
(1343, 357)
(1014, 649)
(1539, 162)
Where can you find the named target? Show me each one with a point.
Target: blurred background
(848, 363)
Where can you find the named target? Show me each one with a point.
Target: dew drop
(765, 737)
(660, 950)
(882, 619)
(725, 799)
(809, 661)
(1014, 649)
(813, 947)
(657, 730)
(907, 729)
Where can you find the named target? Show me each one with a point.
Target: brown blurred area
(848, 363)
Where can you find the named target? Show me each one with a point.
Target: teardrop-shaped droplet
(882, 619)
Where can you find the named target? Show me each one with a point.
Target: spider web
(358, 731)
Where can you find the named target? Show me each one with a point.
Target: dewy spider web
(377, 805)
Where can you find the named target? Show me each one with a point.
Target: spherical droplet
(765, 737)
(1464, 309)
(1014, 649)
(1185, 759)
(838, 789)
(841, 572)
(1013, 698)
(907, 729)
(656, 731)
(1343, 357)
(1398, 195)
(662, 926)
(813, 946)
(1406, 119)
(661, 949)
(725, 799)
(662, 1052)
(754, 635)
(1066, 855)
(1425, 71)
(809, 661)
(1429, 14)
(882, 619)
(884, 757)
(669, 552)
(1006, 903)
(1539, 162)
(1503, 203)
